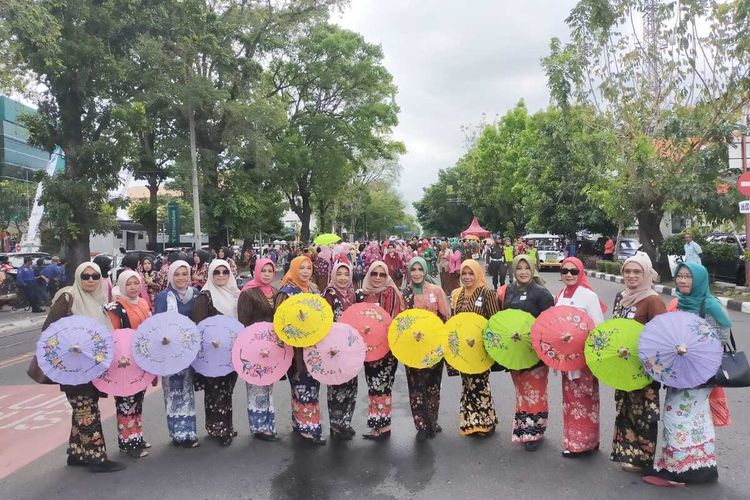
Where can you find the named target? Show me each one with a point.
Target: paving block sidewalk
(732, 304)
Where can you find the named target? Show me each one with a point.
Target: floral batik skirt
(477, 412)
(130, 421)
(341, 401)
(380, 376)
(532, 407)
(179, 400)
(218, 402)
(260, 412)
(424, 396)
(636, 426)
(305, 403)
(688, 453)
(86, 441)
(580, 412)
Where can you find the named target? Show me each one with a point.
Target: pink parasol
(338, 357)
(259, 357)
(123, 377)
(372, 322)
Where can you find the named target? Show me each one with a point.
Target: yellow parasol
(303, 320)
(416, 338)
(465, 348)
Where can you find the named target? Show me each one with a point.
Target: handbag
(36, 374)
(734, 370)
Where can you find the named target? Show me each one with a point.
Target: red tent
(475, 229)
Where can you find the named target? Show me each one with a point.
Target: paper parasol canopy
(259, 357)
(166, 343)
(464, 348)
(123, 377)
(338, 357)
(416, 338)
(559, 335)
(214, 358)
(507, 339)
(303, 320)
(612, 354)
(372, 322)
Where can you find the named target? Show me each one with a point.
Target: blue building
(18, 159)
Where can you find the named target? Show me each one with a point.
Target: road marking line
(17, 359)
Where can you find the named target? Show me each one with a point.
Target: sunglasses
(91, 276)
(219, 272)
(376, 274)
(574, 272)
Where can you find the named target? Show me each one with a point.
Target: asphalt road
(447, 467)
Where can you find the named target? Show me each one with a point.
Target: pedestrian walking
(693, 251)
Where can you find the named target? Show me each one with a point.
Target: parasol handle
(124, 362)
(215, 343)
(165, 341)
(567, 337)
(681, 349)
(333, 352)
(264, 353)
(366, 329)
(302, 315)
(515, 337)
(624, 352)
(76, 349)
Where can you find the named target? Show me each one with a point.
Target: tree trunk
(620, 225)
(304, 214)
(152, 223)
(77, 251)
(649, 234)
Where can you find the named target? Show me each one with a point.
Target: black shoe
(74, 461)
(312, 440)
(186, 444)
(265, 437)
(531, 445)
(424, 435)
(342, 434)
(106, 466)
(39, 310)
(577, 454)
(135, 453)
(382, 436)
(226, 441)
(483, 434)
(438, 429)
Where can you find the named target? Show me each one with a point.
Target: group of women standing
(688, 452)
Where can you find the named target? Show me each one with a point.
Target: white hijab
(122, 281)
(224, 297)
(85, 303)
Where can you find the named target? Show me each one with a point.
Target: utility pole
(743, 150)
(196, 195)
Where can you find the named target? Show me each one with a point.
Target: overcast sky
(453, 61)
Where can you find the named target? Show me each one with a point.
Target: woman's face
(342, 277)
(181, 277)
(266, 274)
(417, 273)
(147, 265)
(523, 272)
(132, 287)
(467, 277)
(684, 280)
(221, 275)
(90, 280)
(566, 274)
(305, 271)
(196, 259)
(634, 276)
(378, 276)
(221, 253)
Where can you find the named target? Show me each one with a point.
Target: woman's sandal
(135, 453)
(186, 444)
(377, 436)
(266, 437)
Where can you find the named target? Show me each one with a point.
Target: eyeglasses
(573, 272)
(376, 274)
(683, 276)
(219, 272)
(90, 276)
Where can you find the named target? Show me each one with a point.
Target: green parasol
(507, 339)
(612, 354)
(326, 239)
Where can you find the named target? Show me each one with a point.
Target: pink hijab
(583, 281)
(255, 282)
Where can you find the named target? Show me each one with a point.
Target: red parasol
(558, 337)
(372, 322)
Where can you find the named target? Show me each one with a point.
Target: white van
(549, 249)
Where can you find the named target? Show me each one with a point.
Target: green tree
(16, 198)
(441, 211)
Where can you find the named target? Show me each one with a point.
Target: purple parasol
(74, 350)
(680, 350)
(217, 337)
(338, 357)
(166, 343)
(258, 355)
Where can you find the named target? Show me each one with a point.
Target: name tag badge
(433, 299)
(523, 297)
(478, 302)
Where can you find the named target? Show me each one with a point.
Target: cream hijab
(85, 303)
(224, 297)
(122, 281)
(646, 289)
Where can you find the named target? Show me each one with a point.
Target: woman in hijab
(322, 266)
(86, 446)
(637, 420)
(422, 292)
(580, 388)
(179, 394)
(257, 304)
(219, 296)
(199, 271)
(688, 453)
(341, 398)
(477, 417)
(394, 260)
(528, 293)
(454, 267)
(305, 389)
(226, 253)
(379, 288)
(129, 310)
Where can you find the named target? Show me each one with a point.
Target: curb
(731, 304)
